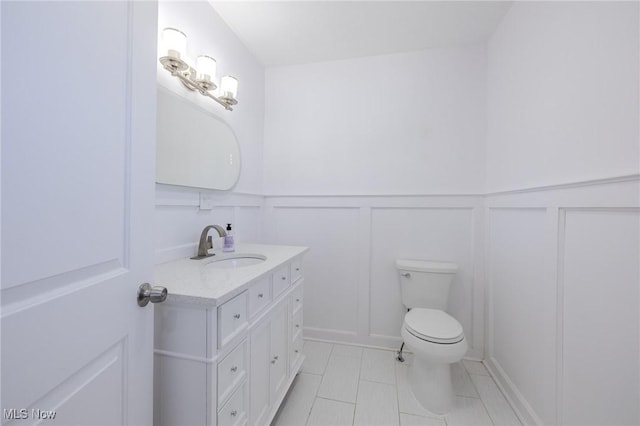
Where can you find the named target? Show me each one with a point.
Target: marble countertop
(196, 282)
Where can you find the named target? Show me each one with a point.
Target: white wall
(411, 123)
(179, 220)
(371, 159)
(562, 262)
(345, 143)
(563, 94)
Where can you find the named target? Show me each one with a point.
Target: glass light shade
(205, 68)
(175, 43)
(228, 87)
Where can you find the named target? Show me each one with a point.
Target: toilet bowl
(437, 341)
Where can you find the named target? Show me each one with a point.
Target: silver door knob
(147, 294)
(405, 274)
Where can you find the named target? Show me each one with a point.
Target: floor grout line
(315, 396)
(395, 373)
(355, 406)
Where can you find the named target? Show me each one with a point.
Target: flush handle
(405, 274)
(147, 294)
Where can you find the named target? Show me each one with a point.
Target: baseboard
(522, 408)
(352, 338)
(351, 343)
(474, 354)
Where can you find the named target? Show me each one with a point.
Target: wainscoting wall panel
(516, 275)
(563, 323)
(599, 316)
(331, 291)
(352, 291)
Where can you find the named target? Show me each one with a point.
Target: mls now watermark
(23, 414)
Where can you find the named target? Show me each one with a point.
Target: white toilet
(435, 338)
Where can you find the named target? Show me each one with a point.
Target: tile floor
(350, 385)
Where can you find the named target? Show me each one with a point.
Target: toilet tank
(425, 283)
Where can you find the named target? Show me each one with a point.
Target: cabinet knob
(237, 316)
(297, 269)
(260, 295)
(297, 325)
(283, 278)
(273, 361)
(296, 351)
(297, 300)
(275, 357)
(234, 369)
(233, 413)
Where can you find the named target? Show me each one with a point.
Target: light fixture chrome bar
(191, 84)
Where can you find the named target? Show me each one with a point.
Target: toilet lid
(433, 325)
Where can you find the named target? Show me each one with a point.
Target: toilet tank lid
(426, 266)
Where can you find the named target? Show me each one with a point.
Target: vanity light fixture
(201, 78)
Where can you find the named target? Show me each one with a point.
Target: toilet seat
(433, 325)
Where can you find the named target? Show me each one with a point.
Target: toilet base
(431, 385)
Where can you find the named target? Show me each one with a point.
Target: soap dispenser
(228, 244)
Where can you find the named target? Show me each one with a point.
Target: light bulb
(175, 43)
(205, 68)
(229, 87)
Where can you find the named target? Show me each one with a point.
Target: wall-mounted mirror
(194, 147)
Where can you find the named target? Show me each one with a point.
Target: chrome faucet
(206, 242)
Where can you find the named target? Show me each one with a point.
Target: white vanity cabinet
(229, 359)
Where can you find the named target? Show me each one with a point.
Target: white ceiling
(295, 32)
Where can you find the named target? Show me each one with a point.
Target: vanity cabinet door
(269, 362)
(259, 377)
(279, 349)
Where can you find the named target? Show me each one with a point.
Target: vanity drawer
(259, 295)
(296, 270)
(281, 280)
(296, 298)
(296, 352)
(231, 371)
(233, 413)
(296, 325)
(232, 319)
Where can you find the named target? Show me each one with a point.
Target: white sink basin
(235, 260)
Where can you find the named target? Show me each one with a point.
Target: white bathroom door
(78, 137)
